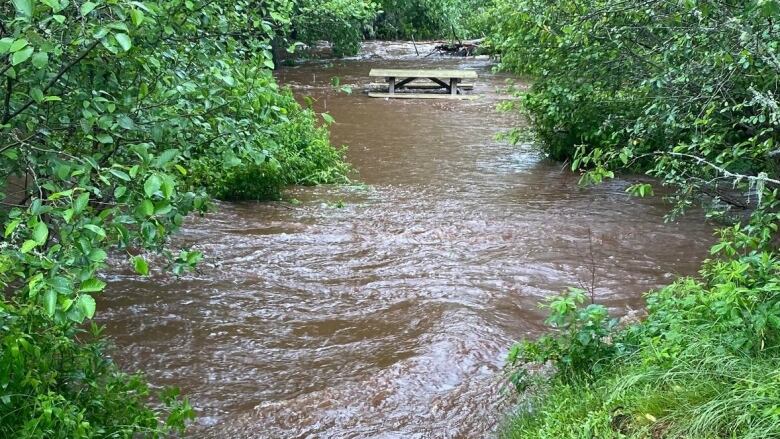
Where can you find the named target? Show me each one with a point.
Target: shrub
(684, 90)
(704, 363)
(580, 345)
(342, 22)
(290, 150)
(58, 383)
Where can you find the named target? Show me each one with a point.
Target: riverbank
(673, 90)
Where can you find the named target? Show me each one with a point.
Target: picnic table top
(430, 73)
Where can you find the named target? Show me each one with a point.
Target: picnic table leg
(392, 85)
(453, 86)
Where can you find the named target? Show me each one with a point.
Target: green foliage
(288, 149)
(117, 120)
(342, 22)
(684, 90)
(57, 385)
(580, 344)
(429, 19)
(345, 23)
(703, 364)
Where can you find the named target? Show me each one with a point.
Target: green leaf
(67, 215)
(61, 194)
(60, 284)
(28, 245)
(50, 302)
(87, 7)
(292, 47)
(40, 233)
(152, 185)
(40, 59)
(118, 25)
(22, 56)
(87, 305)
(96, 230)
(327, 118)
(11, 226)
(81, 202)
(162, 208)
(5, 44)
(137, 16)
(92, 285)
(146, 208)
(122, 175)
(167, 186)
(140, 265)
(165, 157)
(124, 41)
(105, 138)
(37, 94)
(98, 255)
(17, 45)
(24, 7)
(125, 122)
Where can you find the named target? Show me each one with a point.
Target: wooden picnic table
(446, 79)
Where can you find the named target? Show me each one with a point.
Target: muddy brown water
(385, 309)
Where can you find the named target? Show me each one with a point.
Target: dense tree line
(686, 91)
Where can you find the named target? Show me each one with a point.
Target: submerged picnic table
(399, 78)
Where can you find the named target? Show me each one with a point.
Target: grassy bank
(702, 364)
(686, 92)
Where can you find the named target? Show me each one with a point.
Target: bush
(684, 90)
(428, 19)
(290, 150)
(581, 344)
(58, 383)
(342, 22)
(704, 363)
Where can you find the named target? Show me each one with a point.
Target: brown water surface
(388, 317)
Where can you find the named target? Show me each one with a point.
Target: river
(384, 309)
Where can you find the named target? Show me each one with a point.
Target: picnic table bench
(398, 79)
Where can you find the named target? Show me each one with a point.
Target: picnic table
(398, 79)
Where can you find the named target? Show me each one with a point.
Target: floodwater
(384, 309)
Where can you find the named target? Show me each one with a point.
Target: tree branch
(53, 80)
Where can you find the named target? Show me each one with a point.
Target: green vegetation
(117, 120)
(687, 92)
(345, 23)
(342, 22)
(290, 149)
(421, 19)
(703, 364)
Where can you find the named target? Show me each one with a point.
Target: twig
(591, 290)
